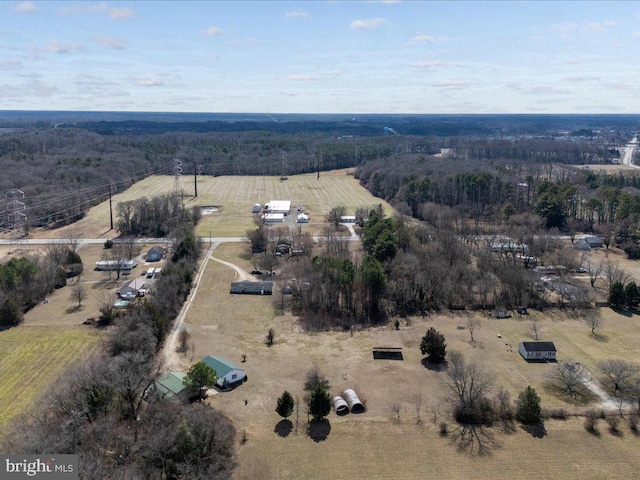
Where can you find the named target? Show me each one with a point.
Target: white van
(150, 272)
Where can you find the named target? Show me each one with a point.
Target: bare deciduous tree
(568, 380)
(79, 293)
(472, 324)
(618, 375)
(594, 321)
(469, 383)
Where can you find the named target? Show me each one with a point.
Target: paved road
(83, 241)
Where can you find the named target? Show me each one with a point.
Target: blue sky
(321, 56)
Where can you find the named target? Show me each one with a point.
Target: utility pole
(318, 155)
(195, 179)
(197, 170)
(110, 208)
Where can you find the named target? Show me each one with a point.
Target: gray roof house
(133, 288)
(247, 287)
(227, 373)
(155, 254)
(541, 351)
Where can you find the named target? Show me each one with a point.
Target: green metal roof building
(227, 373)
(170, 386)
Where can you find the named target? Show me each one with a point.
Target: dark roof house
(541, 351)
(247, 287)
(155, 254)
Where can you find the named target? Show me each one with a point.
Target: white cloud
(242, 42)
(26, 7)
(437, 63)
(426, 38)
(570, 28)
(297, 14)
(367, 23)
(61, 48)
(111, 42)
(213, 31)
(636, 34)
(565, 28)
(101, 8)
(451, 84)
(150, 82)
(598, 27)
(302, 78)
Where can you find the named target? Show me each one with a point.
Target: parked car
(581, 270)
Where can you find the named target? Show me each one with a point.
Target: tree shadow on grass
(434, 367)
(475, 440)
(600, 337)
(536, 430)
(319, 430)
(622, 311)
(283, 428)
(73, 309)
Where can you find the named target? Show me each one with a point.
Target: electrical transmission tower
(16, 207)
(177, 171)
(285, 167)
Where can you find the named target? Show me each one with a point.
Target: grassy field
(234, 196)
(31, 358)
(380, 447)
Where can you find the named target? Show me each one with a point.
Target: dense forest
(60, 164)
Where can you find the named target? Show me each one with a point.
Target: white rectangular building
(279, 206)
(273, 217)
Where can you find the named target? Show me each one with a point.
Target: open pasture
(234, 196)
(233, 325)
(32, 358)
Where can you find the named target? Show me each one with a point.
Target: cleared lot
(230, 326)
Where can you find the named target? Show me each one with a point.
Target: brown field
(234, 196)
(231, 326)
(372, 445)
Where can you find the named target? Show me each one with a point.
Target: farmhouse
(537, 350)
(171, 387)
(133, 288)
(227, 373)
(248, 287)
(348, 219)
(155, 254)
(279, 206)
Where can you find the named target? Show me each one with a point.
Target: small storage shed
(594, 242)
(257, 208)
(302, 218)
(227, 374)
(537, 350)
(247, 287)
(171, 387)
(155, 254)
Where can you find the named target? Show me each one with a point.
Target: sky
(316, 56)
